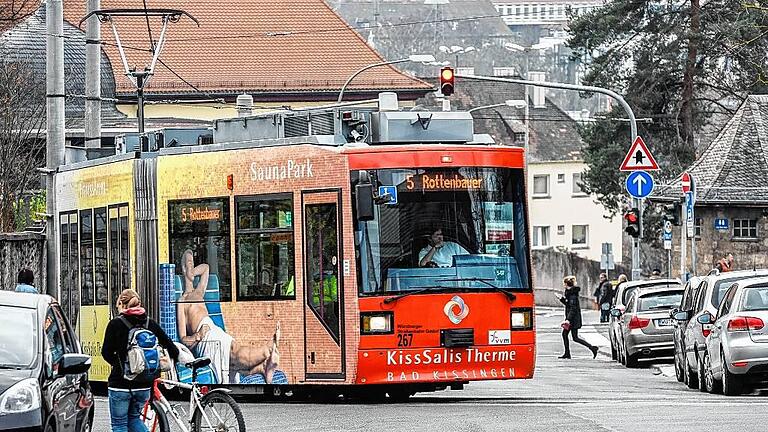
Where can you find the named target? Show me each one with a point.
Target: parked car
(43, 372)
(737, 348)
(622, 295)
(706, 298)
(645, 327)
(689, 294)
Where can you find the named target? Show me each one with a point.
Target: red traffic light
(446, 81)
(633, 222)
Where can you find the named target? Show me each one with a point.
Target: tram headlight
(521, 319)
(376, 322)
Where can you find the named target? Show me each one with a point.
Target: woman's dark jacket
(115, 346)
(572, 308)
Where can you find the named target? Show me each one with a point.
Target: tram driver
(439, 252)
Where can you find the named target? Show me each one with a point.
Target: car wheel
(614, 354)
(49, 427)
(733, 385)
(710, 383)
(678, 369)
(86, 426)
(630, 361)
(691, 379)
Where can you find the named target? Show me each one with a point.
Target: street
(581, 394)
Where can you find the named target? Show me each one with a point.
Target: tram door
(323, 290)
(69, 296)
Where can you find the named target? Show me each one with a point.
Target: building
(562, 216)
(289, 53)
(731, 208)
(550, 13)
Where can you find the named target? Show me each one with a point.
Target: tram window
(100, 256)
(265, 248)
(125, 264)
(74, 270)
(64, 258)
(86, 257)
(201, 227)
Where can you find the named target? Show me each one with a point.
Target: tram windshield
(435, 228)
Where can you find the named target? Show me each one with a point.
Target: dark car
(43, 372)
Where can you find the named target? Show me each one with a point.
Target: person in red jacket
(126, 397)
(725, 264)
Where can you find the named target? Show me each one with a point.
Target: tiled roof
(554, 136)
(254, 46)
(26, 42)
(13, 12)
(734, 168)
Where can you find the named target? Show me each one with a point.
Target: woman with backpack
(132, 330)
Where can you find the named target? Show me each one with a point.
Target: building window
(697, 226)
(579, 235)
(519, 137)
(264, 248)
(745, 228)
(561, 230)
(578, 186)
(541, 185)
(561, 178)
(540, 236)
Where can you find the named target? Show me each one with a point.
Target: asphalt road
(581, 394)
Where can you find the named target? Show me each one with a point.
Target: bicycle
(202, 415)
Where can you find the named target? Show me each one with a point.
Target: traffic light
(446, 81)
(633, 222)
(672, 214)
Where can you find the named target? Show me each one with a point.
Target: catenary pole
(54, 139)
(93, 77)
(637, 203)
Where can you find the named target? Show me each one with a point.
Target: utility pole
(93, 77)
(632, 126)
(54, 133)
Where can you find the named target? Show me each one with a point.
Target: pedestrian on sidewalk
(725, 264)
(572, 322)
(604, 297)
(25, 282)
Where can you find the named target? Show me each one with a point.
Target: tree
(22, 137)
(685, 65)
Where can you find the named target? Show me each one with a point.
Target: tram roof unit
(333, 126)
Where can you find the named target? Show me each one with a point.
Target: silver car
(737, 347)
(706, 299)
(646, 329)
(620, 299)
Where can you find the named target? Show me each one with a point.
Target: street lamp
(514, 103)
(415, 58)
(455, 49)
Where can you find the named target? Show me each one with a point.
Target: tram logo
(450, 309)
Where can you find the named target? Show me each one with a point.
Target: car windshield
(659, 300)
(18, 337)
(629, 290)
(452, 228)
(755, 299)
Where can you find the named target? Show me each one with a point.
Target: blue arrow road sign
(639, 184)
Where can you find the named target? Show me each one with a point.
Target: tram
(365, 248)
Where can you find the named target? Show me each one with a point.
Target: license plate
(666, 322)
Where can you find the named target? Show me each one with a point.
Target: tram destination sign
(441, 182)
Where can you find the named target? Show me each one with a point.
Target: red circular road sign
(686, 182)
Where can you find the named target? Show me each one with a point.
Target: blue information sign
(391, 190)
(721, 224)
(639, 184)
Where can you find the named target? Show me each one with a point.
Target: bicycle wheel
(222, 414)
(154, 417)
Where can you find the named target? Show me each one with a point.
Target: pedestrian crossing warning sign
(639, 158)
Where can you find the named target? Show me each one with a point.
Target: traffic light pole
(637, 203)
